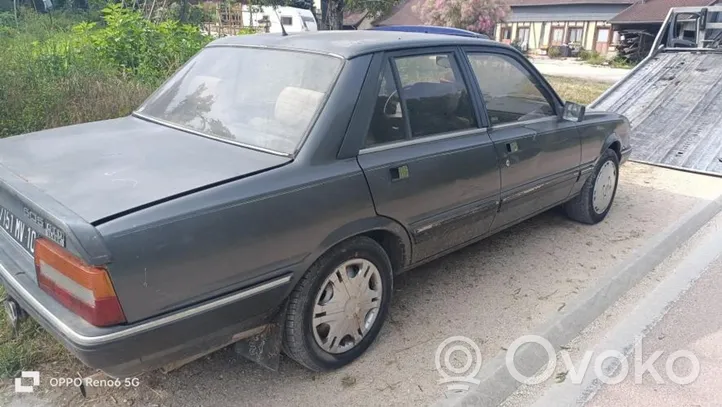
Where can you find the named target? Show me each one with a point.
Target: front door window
(510, 92)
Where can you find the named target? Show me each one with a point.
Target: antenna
(283, 29)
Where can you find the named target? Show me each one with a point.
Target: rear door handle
(399, 173)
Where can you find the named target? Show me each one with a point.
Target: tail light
(83, 289)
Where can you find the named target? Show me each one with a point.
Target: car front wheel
(337, 309)
(595, 199)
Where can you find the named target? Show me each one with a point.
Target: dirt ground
(491, 292)
(570, 68)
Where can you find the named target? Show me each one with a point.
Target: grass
(577, 90)
(31, 347)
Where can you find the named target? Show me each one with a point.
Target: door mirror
(573, 112)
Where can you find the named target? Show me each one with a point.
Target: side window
(436, 98)
(510, 92)
(387, 122)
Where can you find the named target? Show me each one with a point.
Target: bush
(554, 52)
(56, 74)
(592, 57)
(585, 54)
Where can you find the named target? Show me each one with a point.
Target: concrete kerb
(496, 382)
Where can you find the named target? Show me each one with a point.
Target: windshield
(260, 98)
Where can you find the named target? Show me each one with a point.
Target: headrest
(296, 106)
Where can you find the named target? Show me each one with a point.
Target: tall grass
(73, 68)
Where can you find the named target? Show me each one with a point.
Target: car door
(539, 152)
(428, 159)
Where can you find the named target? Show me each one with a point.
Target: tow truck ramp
(673, 98)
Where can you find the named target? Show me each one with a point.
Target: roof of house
(654, 11)
(402, 14)
(354, 18)
(350, 43)
(524, 3)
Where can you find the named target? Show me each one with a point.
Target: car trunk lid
(102, 170)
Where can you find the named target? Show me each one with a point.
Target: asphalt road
(491, 292)
(694, 324)
(674, 309)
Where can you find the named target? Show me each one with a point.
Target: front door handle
(399, 173)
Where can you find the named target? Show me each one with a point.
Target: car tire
(595, 200)
(303, 335)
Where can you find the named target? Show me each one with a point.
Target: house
(538, 24)
(650, 14)
(401, 14)
(353, 20)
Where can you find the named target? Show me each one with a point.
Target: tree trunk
(15, 9)
(335, 14)
(183, 11)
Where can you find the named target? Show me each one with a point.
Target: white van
(293, 19)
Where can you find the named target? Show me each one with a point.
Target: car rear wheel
(337, 309)
(595, 200)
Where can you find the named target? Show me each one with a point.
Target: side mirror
(573, 112)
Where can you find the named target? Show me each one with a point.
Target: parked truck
(673, 98)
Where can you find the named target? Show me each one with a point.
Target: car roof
(351, 43)
(431, 29)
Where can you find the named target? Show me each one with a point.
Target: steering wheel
(388, 100)
(391, 96)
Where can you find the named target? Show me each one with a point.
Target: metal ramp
(673, 99)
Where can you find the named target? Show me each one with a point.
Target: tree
(474, 15)
(334, 9)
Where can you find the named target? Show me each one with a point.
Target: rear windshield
(255, 97)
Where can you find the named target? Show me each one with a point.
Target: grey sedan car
(268, 193)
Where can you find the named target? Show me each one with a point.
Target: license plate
(24, 234)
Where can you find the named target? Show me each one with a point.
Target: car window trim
(546, 89)
(422, 140)
(477, 99)
(525, 122)
(391, 61)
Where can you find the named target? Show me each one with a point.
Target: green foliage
(57, 73)
(30, 347)
(585, 55)
(592, 57)
(621, 62)
(375, 8)
(554, 52)
(139, 47)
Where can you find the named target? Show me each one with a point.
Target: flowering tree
(474, 15)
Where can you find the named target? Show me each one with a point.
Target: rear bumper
(124, 351)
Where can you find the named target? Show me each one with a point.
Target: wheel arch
(388, 233)
(614, 143)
